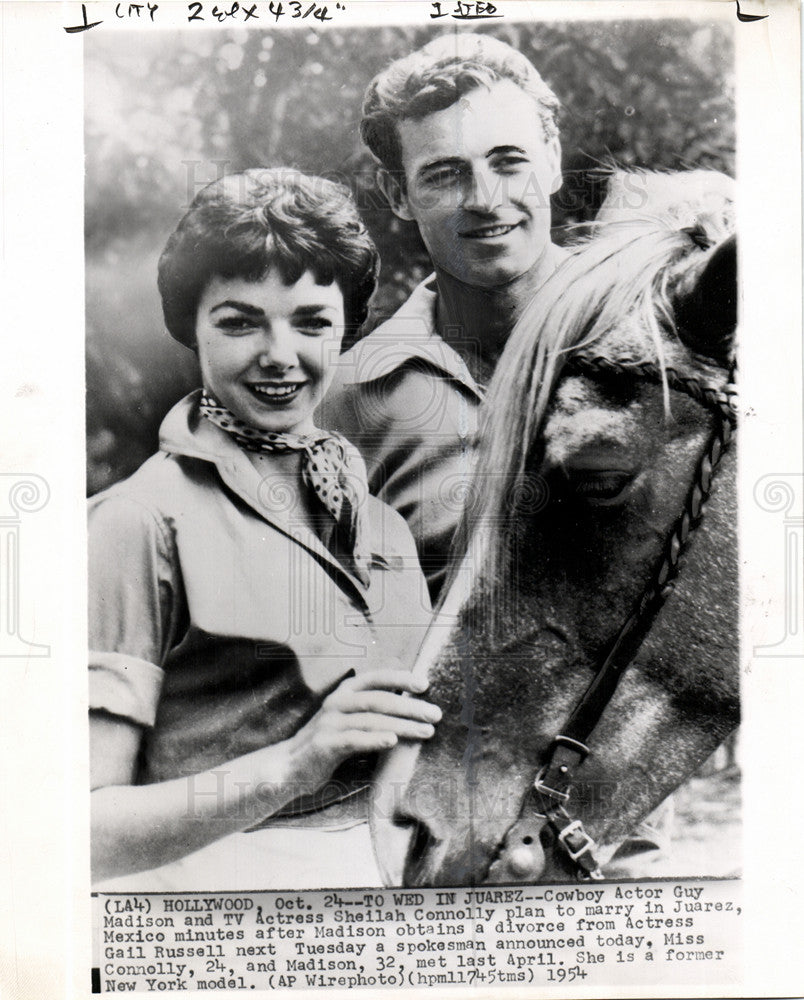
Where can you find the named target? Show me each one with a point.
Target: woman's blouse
(218, 621)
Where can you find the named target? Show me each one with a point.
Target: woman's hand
(365, 713)
(138, 827)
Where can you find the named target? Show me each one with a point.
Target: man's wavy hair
(435, 77)
(242, 225)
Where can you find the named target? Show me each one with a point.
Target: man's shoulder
(409, 332)
(410, 400)
(400, 372)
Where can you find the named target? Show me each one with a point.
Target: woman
(250, 604)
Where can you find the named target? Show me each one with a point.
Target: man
(465, 133)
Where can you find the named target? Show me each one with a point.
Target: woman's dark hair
(242, 225)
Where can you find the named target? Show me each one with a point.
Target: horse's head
(606, 415)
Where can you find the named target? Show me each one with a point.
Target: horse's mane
(620, 273)
(681, 199)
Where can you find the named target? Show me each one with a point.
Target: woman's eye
(314, 324)
(235, 324)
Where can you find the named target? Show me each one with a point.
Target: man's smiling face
(479, 176)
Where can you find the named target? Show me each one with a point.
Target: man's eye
(445, 175)
(510, 162)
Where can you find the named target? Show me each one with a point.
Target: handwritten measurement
(276, 9)
(220, 12)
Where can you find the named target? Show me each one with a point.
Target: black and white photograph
(427, 459)
(503, 386)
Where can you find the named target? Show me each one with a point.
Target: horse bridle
(545, 804)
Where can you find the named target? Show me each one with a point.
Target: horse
(585, 656)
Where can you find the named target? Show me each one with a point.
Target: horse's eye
(604, 487)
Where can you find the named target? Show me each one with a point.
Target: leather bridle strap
(551, 788)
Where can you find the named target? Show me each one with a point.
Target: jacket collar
(409, 334)
(184, 432)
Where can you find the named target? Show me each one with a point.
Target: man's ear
(394, 190)
(554, 153)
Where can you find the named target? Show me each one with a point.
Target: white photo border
(45, 922)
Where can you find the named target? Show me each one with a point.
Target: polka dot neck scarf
(332, 470)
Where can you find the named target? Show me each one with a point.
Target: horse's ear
(706, 308)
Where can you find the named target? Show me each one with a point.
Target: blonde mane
(620, 274)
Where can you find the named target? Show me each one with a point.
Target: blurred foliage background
(168, 112)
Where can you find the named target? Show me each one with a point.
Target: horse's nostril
(527, 840)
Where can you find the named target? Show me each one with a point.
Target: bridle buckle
(547, 791)
(581, 845)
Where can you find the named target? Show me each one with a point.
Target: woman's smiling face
(267, 350)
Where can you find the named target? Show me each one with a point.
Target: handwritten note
(209, 13)
(463, 11)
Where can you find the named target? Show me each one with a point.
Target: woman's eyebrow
(245, 307)
(310, 310)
